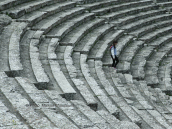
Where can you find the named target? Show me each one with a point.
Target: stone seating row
(27, 7)
(41, 77)
(134, 102)
(16, 31)
(164, 74)
(41, 101)
(64, 28)
(95, 87)
(114, 94)
(157, 114)
(8, 119)
(72, 106)
(10, 3)
(45, 104)
(151, 67)
(55, 69)
(114, 8)
(157, 98)
(13, 95)
(105, 82)
(38, 15)
(48, 23)
(141, 56)
(88, 97)
(115, 123)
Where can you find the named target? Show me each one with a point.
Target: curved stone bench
(49, 22)
(44, 104)
(158, 99)
(149, 50)
(150, 28)
(27, 7)
(49, 100)
(95, 87)
(92, 115)
(11, 91)
(75, 37)
(71, 112)
(115, 122)
(41, 77)
(9, 120)
(164, 74)
(145, 102)
(87, 43)
(10, 3)
(88, 97)
(135, 25)
(122, 6)
(36, 16)
(143, 106)
(126, 94)
(14, 48)
(151, 66)
(64, 28)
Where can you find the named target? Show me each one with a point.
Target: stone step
(64, 28)
(22, 9)
(120, 22)
(150, 68)
(115, 122)
(165, 4)
(79, 84)
(4, 48)
(14, 96)
(42, 79)
(164, 75)
(71, 112)
(113, 8)
(10, 3)
(95, 87)
(136, 12)
(150, 28)
(148, 21)
(159, 100)
(59, 120)
(47, 49)
(44, 103)
(36, 16)
(14, 48)
(52, 46)
(89, 41)
(99, 4)
(154, 35)
(113, 92)
(8, 119)
(76, 35)
(127, 78)
(143, 54)
(61, 80)
(92, 115)
(49, 22)
(154, 124)
(25, 56)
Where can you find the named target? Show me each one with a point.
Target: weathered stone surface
(5, 20)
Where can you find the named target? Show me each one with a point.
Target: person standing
(114, 54)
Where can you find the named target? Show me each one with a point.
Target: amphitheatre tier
(55, 64)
